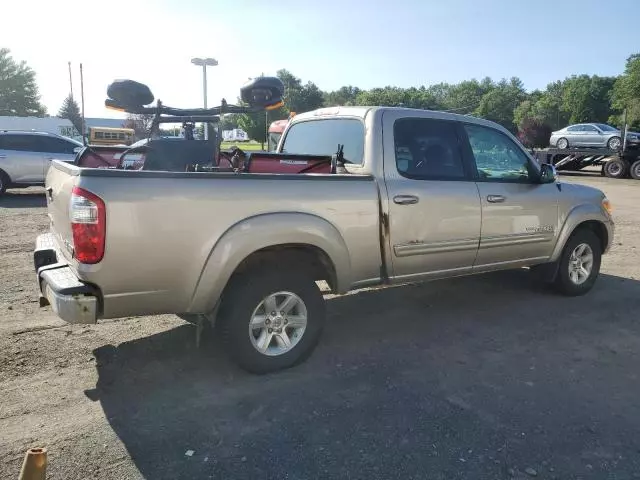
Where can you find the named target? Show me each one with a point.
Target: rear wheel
(579, 263)
(271, 320)
(4, 182)
(635, 170)
(615, 168)
(562, 143)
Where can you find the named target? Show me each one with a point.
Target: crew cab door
(519, 214)
(433, 201)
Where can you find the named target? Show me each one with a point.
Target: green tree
(18, 88)
(343, 96)
(626, 93)
(587, 99)
(71, 111)
(255, 125)
(499, 103)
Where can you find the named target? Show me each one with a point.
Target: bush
(534, 133)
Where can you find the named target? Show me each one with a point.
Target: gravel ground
(479, 378)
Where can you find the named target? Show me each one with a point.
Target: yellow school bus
(110, 136)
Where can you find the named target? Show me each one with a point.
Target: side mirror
(548, 173)
(128, 93)
(263, 92)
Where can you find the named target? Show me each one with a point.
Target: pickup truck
(423, 195)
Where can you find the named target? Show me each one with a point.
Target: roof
(363, 111)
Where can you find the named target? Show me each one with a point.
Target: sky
(333, 43)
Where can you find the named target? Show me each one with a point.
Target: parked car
(25, 156)
(426, 195)
(598, 135)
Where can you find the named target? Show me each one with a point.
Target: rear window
(322, 137)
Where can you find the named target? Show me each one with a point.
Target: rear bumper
(72, 300)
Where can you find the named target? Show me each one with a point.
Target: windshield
(606, 128)
(322, 137)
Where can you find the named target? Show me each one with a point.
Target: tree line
(532, 115)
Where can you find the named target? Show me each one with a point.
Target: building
(57, 125)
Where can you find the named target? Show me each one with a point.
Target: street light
(204, 63)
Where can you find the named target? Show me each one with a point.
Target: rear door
(434, 205)
(54, 148)
(519, 215)
(20, 159)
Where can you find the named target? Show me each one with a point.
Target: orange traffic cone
(34, 466)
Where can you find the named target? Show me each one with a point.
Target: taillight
(88, 224)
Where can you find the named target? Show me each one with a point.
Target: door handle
(496, 198)
(405, 199)
(2, 155)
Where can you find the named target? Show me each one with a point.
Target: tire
(248, 295)
(568, 281)
(634, 171)
(615, 168)
(614, 144)
(562, 143)
(4, 182)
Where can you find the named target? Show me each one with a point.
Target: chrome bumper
(72, 300)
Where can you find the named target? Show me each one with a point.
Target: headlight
(606, 204)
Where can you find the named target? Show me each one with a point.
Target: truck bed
(174, 233)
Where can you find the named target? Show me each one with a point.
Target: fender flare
(263, 231)
(578, 215)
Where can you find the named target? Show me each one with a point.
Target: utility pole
(70, 81)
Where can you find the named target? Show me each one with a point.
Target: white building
(57, 125)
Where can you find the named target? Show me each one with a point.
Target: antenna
(70, 81)
(84, 137)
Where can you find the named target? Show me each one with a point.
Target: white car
(25, 156)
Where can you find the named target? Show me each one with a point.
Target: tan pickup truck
(423, 195)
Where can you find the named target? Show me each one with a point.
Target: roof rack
(28, 130)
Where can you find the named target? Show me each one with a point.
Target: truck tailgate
(59, 184)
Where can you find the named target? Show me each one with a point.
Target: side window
(427, 149)
(55, 145)
(575, 128)
(590, 129)
(19, 143)
(497, 157)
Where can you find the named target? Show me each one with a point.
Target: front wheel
(271, 320)
(579, 264)
(614, 144)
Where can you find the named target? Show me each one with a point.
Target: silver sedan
(591, 135)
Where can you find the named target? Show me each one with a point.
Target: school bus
(110, 136)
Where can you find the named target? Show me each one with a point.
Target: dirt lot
(479, 378)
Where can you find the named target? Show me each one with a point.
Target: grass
(248, 146)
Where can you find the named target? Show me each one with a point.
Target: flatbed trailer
(614, 164)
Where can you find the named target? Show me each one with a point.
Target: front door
(519, 215)
(434, 206)
(592, 136)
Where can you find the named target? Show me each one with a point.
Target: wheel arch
(583, 216)
(283, 238)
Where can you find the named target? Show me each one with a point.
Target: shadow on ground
(23, 199)
(478, 377)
